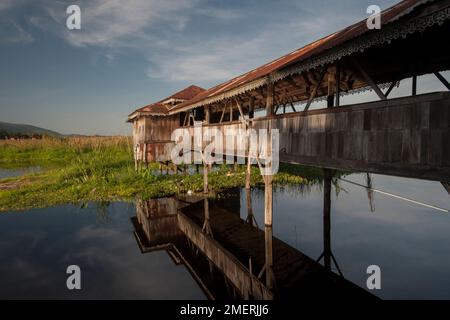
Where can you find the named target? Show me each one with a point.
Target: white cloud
(224, 57)
(159, 31)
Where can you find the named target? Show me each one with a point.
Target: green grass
(102, 169)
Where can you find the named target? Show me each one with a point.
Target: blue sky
(130, 53)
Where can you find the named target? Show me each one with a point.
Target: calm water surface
(10, 173)
(410, 242)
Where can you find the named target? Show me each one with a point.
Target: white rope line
(398, 197)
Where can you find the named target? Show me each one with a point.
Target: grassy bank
(101, 169)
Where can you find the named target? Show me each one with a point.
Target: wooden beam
(443, 80)
(223, 112)
(292, 103)
(239, 108)
(185, 119)
(316, 87)
(390, 88)
(446, 185)
(368, 79)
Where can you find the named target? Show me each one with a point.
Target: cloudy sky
(130, 53)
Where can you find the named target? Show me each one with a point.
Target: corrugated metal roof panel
(389, 15)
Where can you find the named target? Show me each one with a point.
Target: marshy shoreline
(74, 170)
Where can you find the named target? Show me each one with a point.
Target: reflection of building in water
(230, 257)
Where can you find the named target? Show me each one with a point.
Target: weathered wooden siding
(404, 136)
(159, 129)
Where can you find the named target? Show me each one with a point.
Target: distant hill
(12, 128)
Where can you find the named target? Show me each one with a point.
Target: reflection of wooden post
(269, 257)
(207, 223)
(248, 196)
(205, 178)
(327, 219)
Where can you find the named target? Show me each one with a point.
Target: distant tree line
(5, 135)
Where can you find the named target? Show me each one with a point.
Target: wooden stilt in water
(206, 224)
(248, 200)
(248, 175)
(327, 219)
(268, 220)
(270, 281)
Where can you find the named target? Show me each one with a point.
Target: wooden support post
(205, 178)
(269, 99)
(251, 107)
(327, 219)
(338, 85)
(231, 112)
(368, 79)
(135, 158)
(414, 85)
(144, 156)
(207, 115)
(442, 79)
(330, 94)
(268, 201)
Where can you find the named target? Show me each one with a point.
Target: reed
(84, 169)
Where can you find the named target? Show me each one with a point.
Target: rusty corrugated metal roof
(313, 49)
(155, 108)
(187, 93)
(159, 108)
